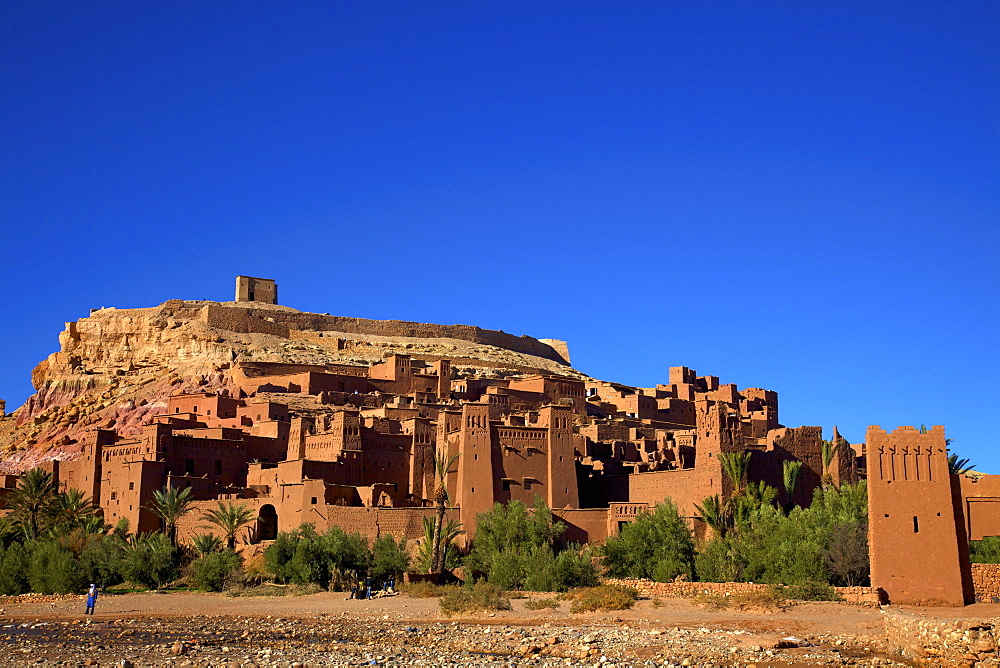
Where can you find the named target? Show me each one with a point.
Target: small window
(506, 485)
(114, 495)
(314, 500)
(131, 486)
(475, 457)
(527, 484)
(916, 525)
(530, 452)
(218, 467)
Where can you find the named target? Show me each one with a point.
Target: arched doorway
(267, 523)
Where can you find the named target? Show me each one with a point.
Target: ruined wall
(914, 538)
(936, 641)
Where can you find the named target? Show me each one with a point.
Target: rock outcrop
(115, 368)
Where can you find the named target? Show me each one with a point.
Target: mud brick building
(340, 420)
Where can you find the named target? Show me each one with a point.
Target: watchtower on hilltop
(261, 290)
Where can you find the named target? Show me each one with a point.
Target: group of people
(363, 589)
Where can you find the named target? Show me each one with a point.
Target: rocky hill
(115, 368)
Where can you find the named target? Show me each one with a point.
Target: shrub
(603, 597)
(541, 604)
(331, 560)
(150, 560)
(656, 545)
(271, 589)
(102, 559)
(14, 570)
(211, 571)
(424, 589)
(812, 591)
(389, 558)
(53, 569)
(479, 597)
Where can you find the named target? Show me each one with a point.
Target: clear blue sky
(793, 195)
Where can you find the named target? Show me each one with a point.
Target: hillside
(115, 368)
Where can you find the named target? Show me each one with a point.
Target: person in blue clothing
(91, 599)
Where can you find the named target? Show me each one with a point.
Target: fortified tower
(918, 556)
(261, 290)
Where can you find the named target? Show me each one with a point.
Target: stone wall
(936, 641)
(333, 323)
(986, 582)
(867, 596)
(241, 320)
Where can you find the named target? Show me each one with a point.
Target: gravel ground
(190, 629)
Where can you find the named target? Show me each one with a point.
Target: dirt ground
(200, 629)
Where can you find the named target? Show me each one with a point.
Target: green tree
(656, 545)
(170, 504)
(389, 558)
(33, 499)
(72, 510)
(150, 560)
(230, 518)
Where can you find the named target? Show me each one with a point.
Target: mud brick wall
(986, 582)
(936, 641)
(648, 589)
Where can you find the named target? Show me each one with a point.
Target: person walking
(91, 599)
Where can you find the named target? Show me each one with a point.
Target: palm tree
(171, 504)
(441, 467)
(206, 543)
(230, 518)
(71, 509)
(33, 499)
(958, 466)
(736, 466)
(425, 552)
(716, 514)
(791, 471)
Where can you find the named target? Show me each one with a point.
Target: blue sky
(798, 196)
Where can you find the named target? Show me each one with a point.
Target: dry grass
(604, 597)
(770, 599)
(542, 604)
(480, 597)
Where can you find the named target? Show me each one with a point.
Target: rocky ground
(188, 629)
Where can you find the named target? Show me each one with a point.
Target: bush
(389, 558)
(150, 560)
(517, 549)
(53, 569)
(332, 560)
(812, 591)
(656, 545)
(985, 551)
(480, 597)
(603, 597)
(541, 604)
(14, 562)
(211, 571)
(424, 589)
(102, 558)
